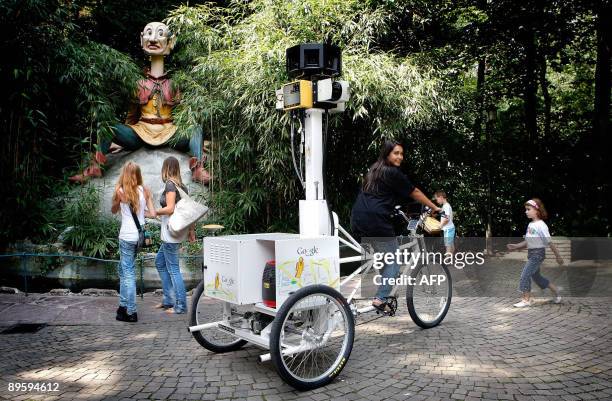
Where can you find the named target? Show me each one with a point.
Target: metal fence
(25, 257)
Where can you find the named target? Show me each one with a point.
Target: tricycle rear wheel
(317, 324)
(207, 310)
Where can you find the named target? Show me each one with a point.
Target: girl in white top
(129, 195)
(536, 240)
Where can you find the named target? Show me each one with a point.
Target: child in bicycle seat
(536, 240)
(384, 187)
(446, 220)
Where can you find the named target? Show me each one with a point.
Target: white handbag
(186, 212)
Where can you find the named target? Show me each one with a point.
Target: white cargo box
(235, 265)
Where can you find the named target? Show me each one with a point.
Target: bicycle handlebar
(425, 211)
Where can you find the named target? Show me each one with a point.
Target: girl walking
(536, 240)
(134, 201)
(167, 260)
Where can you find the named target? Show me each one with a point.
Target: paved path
(484, 350)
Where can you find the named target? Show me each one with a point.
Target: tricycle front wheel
(430, 297)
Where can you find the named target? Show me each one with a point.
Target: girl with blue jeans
(167, 260)
(129, 196)
(385, 186)
(536, 240)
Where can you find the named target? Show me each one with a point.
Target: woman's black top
(170, 187)
(371, 215)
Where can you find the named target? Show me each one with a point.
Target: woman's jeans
(535, 257)
(167, 263)
(127, 275)
(388, 270)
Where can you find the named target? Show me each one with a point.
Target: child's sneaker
(522, 304)
(557, 298)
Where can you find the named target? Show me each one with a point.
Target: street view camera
(313, 65)
(311, 96)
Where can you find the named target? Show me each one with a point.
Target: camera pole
(314, 154)
(314, 215)
(315, 92)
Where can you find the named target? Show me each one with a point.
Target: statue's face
(156, 39)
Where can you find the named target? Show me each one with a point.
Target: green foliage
(103, 89)
(480, 92)
(87, 230)
(238, 60)
(524, 72)
(62, 92)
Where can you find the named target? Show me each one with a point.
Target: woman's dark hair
(380, 167)
(171, 170)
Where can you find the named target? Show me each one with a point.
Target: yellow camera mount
(297, 95)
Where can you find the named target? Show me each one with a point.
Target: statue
(149, 120)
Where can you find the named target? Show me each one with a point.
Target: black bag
(144, 238)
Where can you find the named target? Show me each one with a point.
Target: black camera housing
(310, 59)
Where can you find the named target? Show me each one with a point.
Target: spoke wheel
(312, 337)
(430, 297)
(207, 310)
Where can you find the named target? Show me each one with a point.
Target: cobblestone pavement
(484, 350)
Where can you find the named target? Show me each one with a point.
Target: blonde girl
(129, 196)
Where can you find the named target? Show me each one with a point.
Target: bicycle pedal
(392, 302)
(391, 313)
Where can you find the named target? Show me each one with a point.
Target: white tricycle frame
(310, 335)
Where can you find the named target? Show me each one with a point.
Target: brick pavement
(484, 350)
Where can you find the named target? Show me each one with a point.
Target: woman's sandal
(383, 308)
(387, 307)
(171, 311)
(162, 306)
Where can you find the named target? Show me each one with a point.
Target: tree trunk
(601, 121)
(481, 109)
(601, 117)
(530, 102)
(491, 117)
(480, 106)
(546, 95)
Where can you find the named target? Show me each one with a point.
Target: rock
(63, 234)
(9, 290)
(150, 162)
(20, 246)
(60, 291)
(97, 292)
